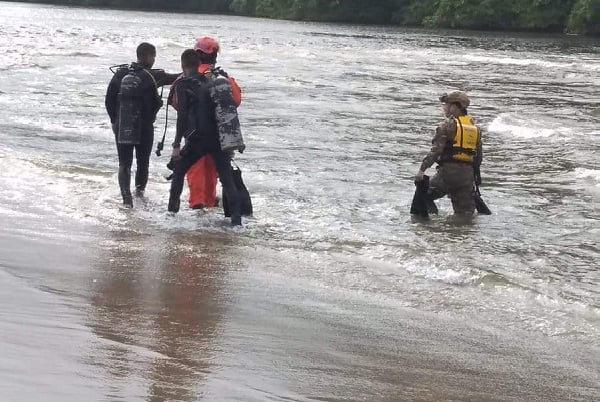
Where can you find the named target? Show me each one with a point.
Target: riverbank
(553, 16)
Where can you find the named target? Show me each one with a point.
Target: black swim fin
(422, 204)
(431, 207)
(480, 205)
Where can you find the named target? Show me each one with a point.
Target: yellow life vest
(466, 139)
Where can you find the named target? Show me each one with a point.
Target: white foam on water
(499, 59)
(550, 314)
(30, 188)
(439, 272)
(587, 180)
(591, 176)
(527, 128)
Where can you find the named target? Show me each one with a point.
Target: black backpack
(245, 200)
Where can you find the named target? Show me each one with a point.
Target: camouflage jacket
(444, 134)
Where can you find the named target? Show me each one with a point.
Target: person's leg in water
(461, 188)
(437, 186)
(202, 181)
(125, 152)
(463, 201)
(142, 155)
(223, 165)
(189, 155)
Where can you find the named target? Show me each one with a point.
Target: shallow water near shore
(331, 292)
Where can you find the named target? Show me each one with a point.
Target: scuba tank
(228, 124)
(130, 108)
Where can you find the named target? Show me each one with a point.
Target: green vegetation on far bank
(571, 16)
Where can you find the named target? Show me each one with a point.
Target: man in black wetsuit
(207, 119)
(132, 102)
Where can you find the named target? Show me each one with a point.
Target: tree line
(570, 16)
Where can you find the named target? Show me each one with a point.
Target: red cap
(206, 44)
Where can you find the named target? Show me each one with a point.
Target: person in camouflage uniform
(457, 149)
(207, 118)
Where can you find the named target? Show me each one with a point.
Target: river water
(330, 292)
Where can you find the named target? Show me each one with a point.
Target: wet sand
(179, 316)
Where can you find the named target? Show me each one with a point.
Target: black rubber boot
(127, 200)
(124, 184)
(173, 205)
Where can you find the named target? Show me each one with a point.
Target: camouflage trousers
(457, 181)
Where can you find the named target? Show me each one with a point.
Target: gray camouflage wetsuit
(207, 118)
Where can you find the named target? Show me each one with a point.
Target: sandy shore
(129, 316)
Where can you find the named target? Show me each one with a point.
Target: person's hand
(114, 128)
(419, 175)
(176, 154)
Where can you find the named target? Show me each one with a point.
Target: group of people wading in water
(206, 99)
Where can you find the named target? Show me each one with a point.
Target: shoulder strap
(462, 132)
(151, 76)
